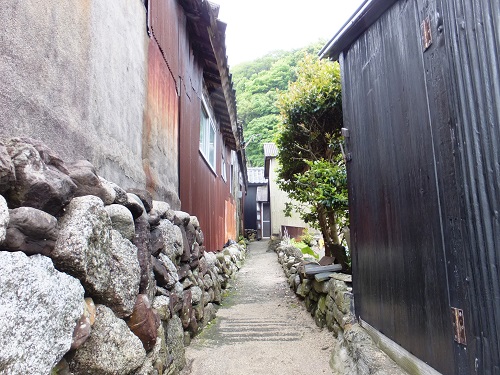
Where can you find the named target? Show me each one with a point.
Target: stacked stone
(95, 279)
(330, 301)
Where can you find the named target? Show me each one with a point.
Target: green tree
(257, 84)
(312, 169)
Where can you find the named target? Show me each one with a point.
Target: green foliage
(304, 248)
(257, 84)
(307, 237)
(312, 169)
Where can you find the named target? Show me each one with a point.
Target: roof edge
(365, 16)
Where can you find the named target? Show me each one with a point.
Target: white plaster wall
(73, 74)
(278, 199)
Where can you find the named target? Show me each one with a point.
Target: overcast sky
(256, 27)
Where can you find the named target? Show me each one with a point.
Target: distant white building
(294, 225)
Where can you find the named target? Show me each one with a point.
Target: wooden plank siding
(424, 180)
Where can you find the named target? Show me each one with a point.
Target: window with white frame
(207, 136)
(223, 172)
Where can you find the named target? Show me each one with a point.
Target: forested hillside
(257, 84)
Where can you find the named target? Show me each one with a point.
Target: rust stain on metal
(457, 317)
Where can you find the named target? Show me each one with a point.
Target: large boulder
(175, 343)
(7, 170)
(123, 288)
(121, 220)
(165, 271)
(142, 240)
(83, 248)
(41, 183)
(4, 218)
(31, 231)
(167, 238)
(84, 175)
(135, 205)
(39, 309)
(144, 322)
(111, 349)
(144, 196)
(163, 209)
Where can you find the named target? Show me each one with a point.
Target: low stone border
(331, 303)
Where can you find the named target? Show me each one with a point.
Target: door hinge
(457, 318)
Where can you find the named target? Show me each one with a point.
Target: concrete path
(261, 328)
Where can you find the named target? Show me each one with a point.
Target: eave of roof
(369, 12)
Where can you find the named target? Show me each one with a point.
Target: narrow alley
(261, 327)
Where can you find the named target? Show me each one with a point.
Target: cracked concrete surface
(261, 327)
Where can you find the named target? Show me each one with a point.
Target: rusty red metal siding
(165, 18)
(160, 133)
(202, 192)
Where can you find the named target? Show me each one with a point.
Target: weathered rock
(162, 306)
(39, 185)
(109, 192)
(144, 322)
(167, 238)
(200, 238)
(48, 156)
(7, 170)
(183, 271)
(156, 359)
(144, 196)
(209, 314)
(39, 310)
(186, 248)
(175, 342)
(81, 332)
(196, 295)
(84, 175)
(134, 204)
(90, 310)
(143, 243)
(163, 209)
(31, 231)
(191, 234)
(111, 349)
(84, 244)
(121, 220)
(125, 275)
(4, 218)
(187, 307)
(181, 218)
(171, 276)
(203, 266)
(194, 222)
(153, 218)
(121, 195)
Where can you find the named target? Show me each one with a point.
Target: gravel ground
(261, 328)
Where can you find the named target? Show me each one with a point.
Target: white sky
(256, 27)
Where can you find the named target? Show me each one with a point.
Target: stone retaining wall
(331, 303)
(95, 279)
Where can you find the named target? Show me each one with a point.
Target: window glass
(207, 136)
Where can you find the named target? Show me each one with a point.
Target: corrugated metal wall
(473, 40)
(202, 192)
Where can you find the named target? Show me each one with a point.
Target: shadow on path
(261, 327)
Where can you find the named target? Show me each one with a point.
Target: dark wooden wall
(424, 180)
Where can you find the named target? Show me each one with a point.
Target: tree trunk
(333, 248)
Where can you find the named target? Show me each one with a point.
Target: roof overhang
(366, 15)
(208, 39)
